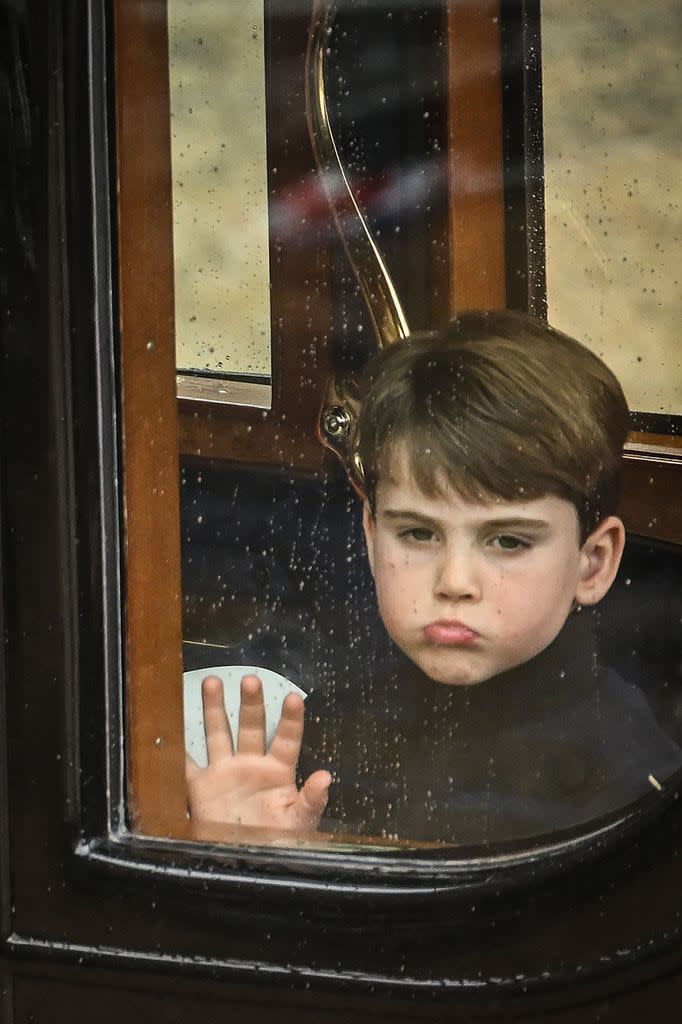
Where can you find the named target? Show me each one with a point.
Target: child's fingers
(216, 725)
(286, 743)
(192, 769)
(251, 738)
(314, 795)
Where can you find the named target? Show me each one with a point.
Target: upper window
(220, 196)
(611, 191)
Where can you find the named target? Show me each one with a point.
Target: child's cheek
(514, 610)
(504, 593)
(396, 565)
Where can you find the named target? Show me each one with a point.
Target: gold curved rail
(385, 310)
(338, 416)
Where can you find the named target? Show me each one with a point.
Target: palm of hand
(249, 786)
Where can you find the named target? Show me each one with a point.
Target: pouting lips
(451, 634)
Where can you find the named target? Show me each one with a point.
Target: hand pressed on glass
(249, 785)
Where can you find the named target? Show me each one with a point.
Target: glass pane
(480, 661)
(612, 189)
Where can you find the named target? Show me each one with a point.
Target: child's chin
(455, 680)
(452, 675)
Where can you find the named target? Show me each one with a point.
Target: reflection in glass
(276, 574)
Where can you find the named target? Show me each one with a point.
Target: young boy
(490, 455)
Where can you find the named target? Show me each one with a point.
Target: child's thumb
(315, 793)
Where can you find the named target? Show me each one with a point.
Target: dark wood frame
(478, 231)
(151, 473)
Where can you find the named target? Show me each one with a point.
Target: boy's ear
(368, 527)
(599, 560)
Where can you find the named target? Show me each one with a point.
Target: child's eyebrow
(408, 513)
(517, 523)
(499, 523)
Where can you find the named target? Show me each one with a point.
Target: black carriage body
(97, 923)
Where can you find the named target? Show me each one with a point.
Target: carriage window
(394, 613)
(612, 192)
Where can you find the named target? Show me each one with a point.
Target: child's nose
(457, 576)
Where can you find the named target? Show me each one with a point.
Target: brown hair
(498, 405)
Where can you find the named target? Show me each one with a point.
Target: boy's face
(469, 590)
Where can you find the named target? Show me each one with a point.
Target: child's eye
(419, 534)
(507, 542)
